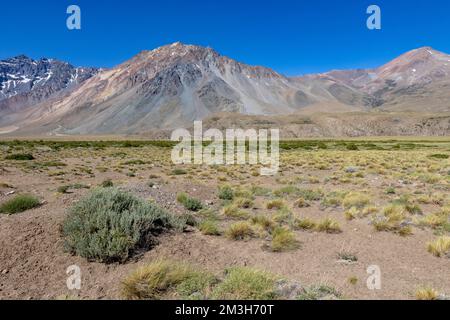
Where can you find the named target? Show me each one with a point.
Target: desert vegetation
(335, 208)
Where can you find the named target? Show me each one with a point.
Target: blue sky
(291, 36)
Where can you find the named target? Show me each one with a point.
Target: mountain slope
(174, 85)
(418, 80)
(24, 81)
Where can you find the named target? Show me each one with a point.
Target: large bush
(110, 225)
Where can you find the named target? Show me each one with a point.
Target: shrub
(239, 231)
(193, 204)
(226, 193)
(20, 157)
(283, 240)
(19, 204)
(179, 172)
(189, 203)
(109, 225)
(352, 147)
(161, 278)
(107, 183)
(439, 156)
(63, 189)
(319, 293)
(246, 284)
(440, 247)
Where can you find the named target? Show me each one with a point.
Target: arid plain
(335, 209)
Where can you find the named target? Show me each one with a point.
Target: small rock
(5, 271)
(288, 290)
(351, 170)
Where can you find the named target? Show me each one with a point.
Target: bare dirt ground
(33, 261)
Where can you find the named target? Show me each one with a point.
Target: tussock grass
(19, 203)
(209, 228)
(243, 203)
(328, 225)
(20, 157)
(427, 294)
(263, 222)
(234, 212)
(161, 278)
(239, 231)
(283, 240)
(356, 199)
(305, 224)
(246, 284)
(440, 247)
(394, 219)
(275, 204)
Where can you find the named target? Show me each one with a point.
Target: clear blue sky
(291, 36)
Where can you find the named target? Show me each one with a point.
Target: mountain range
(170, 87)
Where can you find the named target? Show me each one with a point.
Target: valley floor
(387, 200)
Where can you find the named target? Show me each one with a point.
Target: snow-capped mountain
(24, 81)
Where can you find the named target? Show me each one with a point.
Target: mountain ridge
(174, 85)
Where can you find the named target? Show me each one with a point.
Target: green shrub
(19, 204)
(352, 147)
(439, 156)
(110, 225)
(226, 193)
(179, 172)
(20, 157)
(319, 293)
(189, 203)
(63, 189)
(107, 183)
(246, 284)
